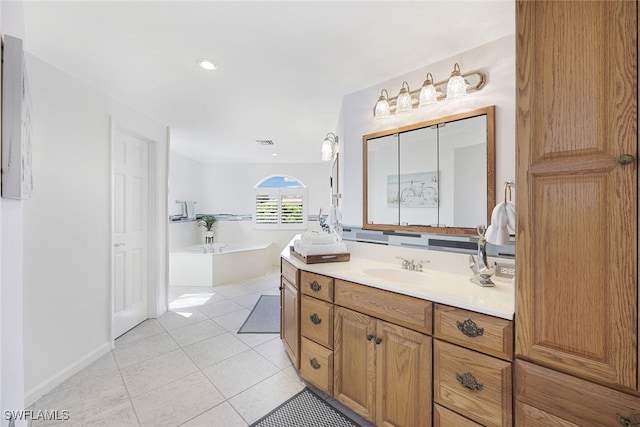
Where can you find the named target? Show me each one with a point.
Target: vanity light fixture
(428, 93)
(382, 108)
(457, 85)
(207, 64)
(404, 102)
(329, 146)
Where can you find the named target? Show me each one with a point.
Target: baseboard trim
(31, 396)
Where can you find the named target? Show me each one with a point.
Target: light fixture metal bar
(415, 94)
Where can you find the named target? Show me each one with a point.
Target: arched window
(280, 203)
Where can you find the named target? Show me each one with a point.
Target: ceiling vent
(265, 141)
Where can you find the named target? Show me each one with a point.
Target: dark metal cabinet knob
(315, 319)
(378, 340)
(314, 363)
(369, 337)
(625, 159)
(315, 286)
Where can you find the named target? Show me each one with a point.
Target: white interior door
(130, 231)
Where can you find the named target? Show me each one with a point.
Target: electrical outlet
(505, 271)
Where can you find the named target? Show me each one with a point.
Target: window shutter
(267, 209)
(292, 211)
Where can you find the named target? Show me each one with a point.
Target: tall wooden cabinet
(577, 196)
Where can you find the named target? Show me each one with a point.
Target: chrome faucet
(412, 265)
(482, 270)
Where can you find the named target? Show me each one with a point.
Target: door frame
(157, 292)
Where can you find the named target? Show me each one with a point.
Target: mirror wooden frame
(491, 172)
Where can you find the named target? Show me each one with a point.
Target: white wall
(228, 189)
(11, 266)
(496, 59)
(67, 237)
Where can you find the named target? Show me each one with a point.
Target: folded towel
(324, 249)
(318, 239)
(333, 248)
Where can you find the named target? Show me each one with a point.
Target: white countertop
(433, 284)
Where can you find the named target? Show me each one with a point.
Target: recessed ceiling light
(274, 154)
(207, 64)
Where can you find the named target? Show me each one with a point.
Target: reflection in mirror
(435, 176)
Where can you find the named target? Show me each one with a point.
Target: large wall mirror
(436, 176)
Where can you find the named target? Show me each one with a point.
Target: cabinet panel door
(290, 321)
(354, 361)
(576, 231)
(403, 367)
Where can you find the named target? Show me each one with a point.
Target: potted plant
(207, 222)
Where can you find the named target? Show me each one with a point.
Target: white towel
(318, 239)
(191, 209)
(326, 249)
(498, 232)
(511, 216)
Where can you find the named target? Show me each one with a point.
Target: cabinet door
(354, 361)
(403, 376)
(576, 235)
(290, 320)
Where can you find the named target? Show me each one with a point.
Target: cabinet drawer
(414, 313)
(289, 272)
(473, 384)
(316, 365)
(476, 331)
(528, 416)
(317, 321)
(317, 286)
(443, 417)
(575, 400)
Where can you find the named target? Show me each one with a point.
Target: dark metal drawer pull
(469, 382)
(632, 421)
(315, 286)
(314, 363)
(469, 328)
(315, 319)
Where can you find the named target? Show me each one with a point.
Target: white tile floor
(187, 368)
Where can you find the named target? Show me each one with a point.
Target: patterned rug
(305, 409)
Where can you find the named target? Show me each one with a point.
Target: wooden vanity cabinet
(472, 369)
(290, 310)
(382, 370)
(316, 328)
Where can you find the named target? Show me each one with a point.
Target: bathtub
(227, 263)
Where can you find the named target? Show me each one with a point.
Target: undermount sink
(399, 275)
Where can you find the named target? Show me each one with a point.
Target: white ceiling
(283, 66)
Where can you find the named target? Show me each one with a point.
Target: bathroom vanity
(400, 347)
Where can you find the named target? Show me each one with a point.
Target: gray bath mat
(264, 318)
(305, 409)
